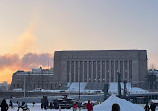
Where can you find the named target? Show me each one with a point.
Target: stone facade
(37, 78)
(100, 66)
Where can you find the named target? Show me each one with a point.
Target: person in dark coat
(146, 107)
(89, 106)
(55, 104)
(45, 102)
(115, 107)
(51, 105)
(4, 105)
(42, 102)
(152, 106)
(11, 104)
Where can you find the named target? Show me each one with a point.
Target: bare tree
(152, 67)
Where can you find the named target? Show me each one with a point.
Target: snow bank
(124, 105)
(74, 86)
(113, 87)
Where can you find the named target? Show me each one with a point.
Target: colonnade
(99, 70)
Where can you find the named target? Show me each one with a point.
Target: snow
(113, 87)
(105, 106)
(75, 86)
(124, 105)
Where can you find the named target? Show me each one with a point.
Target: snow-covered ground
(113, 87)
(105, 106)
(74, 86)
(124, 105)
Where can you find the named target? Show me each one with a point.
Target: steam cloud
(27, 62)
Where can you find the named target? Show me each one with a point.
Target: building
(100, 66)
(37, 78)
(4, 86)
(153, 79)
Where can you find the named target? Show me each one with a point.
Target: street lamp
(24, 86)
(69, 84)
(79, 83)
(79, 89)
(119, 83)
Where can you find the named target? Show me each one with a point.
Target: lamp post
(79, 84)
(24, 86)
(79, 90)
(119, 83)
(69, 84)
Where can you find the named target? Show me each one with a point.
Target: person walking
(4, 105)
(74, 106)
(89, 106)
(33, 104)
(146, 107)
(152, 106)
(11, 104)
(19, 105)
(45, 102)
(115, 107)
(24, 106)
(55, 104)
(42, 102)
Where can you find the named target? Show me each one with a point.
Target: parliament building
(100, 66)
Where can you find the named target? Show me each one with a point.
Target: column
(98, 71)
(127, 70)
(83, 71)
(76, 71)
(101, 71)
(130, 71)
(109, 70)
(87, 71)
(94, 71)
(70, 73)
(92, 80)
(121, 69)
(116, 69)
(112, 71)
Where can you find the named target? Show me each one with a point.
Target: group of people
(152, 107)
(4, 106)
(44, 102)
(89, 106)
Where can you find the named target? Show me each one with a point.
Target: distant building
(4, 86)
(100, 66)
(37, 78)
(153, 79)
